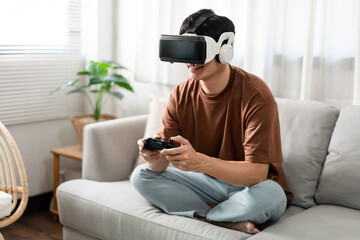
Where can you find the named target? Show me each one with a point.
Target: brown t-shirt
(241, 123)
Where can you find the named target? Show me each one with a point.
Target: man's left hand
(184, 157)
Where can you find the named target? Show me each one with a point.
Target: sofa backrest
(306, 128)
(340, 177)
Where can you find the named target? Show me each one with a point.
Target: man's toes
(251, 228)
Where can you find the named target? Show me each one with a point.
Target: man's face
(202, 71)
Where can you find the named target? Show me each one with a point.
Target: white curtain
(303, 49)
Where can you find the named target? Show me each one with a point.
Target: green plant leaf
(79, 89)
(70, 83)
(97, 91)
(114, 65)
(108, 86)
(119, 67)
(116, 78)
(125, 85)
(104, 65)
(83, 73)
(119, 77)
(97, 69)
(116, 94)
(95, 80)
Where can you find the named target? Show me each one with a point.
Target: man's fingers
(140, 142)
(180, 139)
(150, 153)
(172, 151)
(157, 135)
(174, 158)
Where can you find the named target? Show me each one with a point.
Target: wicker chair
(11, 169)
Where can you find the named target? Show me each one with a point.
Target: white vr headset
(196, 49)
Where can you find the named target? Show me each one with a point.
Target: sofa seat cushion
(114, 210)
(328, 222)
(341, 172)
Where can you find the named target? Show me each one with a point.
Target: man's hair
(212, 27)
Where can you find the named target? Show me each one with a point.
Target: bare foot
(246, 227)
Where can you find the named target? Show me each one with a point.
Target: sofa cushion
(156, 106)
(341, 172)
(5, 204)
(319, 222)
(306, 128)
(115, 210)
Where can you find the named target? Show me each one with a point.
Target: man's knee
(258, 203)
(271, 198)
(142, 177)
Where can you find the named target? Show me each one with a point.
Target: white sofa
(321, 149)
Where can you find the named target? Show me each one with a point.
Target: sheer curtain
(307, 50)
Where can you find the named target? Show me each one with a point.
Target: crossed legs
(190, 194)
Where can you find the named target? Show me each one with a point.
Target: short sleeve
(262, 140)
(170, 124)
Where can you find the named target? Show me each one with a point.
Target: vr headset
(196, 49)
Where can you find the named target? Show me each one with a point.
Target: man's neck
(218, 82)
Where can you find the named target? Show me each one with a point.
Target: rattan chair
(11, 169)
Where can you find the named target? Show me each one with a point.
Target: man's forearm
(239, 173)
(160, 165)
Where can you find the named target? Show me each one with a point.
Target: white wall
(137, 103)
(35, 140)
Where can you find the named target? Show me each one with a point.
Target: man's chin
(194, 77)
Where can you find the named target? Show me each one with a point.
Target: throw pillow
(306, 128)
(340, 176)
(157, 106)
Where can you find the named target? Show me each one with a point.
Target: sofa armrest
(110, 148)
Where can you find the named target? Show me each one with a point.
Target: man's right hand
(149, 156)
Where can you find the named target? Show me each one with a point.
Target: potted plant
(101, 79)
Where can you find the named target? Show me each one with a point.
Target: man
(226, 123)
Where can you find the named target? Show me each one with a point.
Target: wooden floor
(37, 226)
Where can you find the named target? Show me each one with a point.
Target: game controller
(158, 144)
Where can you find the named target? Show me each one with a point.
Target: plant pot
(79, 122)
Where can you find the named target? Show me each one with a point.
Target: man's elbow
(261, 175)
(260, 179)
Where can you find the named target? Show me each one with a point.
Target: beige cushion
(157, 106)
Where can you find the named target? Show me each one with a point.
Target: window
(40, 49)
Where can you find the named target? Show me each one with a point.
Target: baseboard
(38, 203)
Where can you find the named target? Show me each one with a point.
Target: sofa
(321, 150)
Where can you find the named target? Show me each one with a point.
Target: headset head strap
(200, 21)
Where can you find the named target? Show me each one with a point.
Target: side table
(73, 151)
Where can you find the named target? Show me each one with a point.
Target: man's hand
(149, 155)
(156, 162)
(184, 157)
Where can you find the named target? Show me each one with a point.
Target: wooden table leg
(56, 179)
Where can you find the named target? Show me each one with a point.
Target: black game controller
(158, 144)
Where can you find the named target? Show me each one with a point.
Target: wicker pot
(79, 122)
